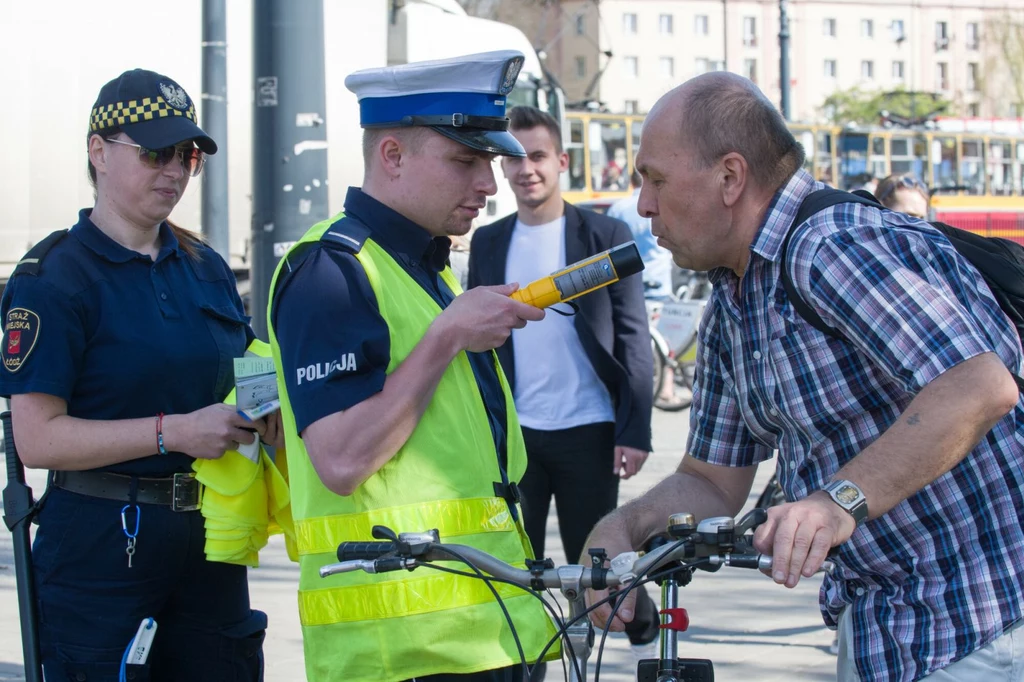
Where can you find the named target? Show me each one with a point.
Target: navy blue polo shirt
(121, 336)
(325, 308)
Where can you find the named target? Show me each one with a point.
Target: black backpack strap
(814, 203)
(31, 262)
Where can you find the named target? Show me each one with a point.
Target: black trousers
(575, 466)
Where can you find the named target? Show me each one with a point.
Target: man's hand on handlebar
(608, 535)
(799, 536)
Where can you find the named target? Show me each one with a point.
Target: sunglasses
(192, 158)
(904, 182)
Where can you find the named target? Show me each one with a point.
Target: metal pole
(289, 159)
(784, 57)
(215, 123)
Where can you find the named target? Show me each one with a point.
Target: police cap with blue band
(462, 98)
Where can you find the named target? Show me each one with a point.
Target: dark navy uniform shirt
(119, 336)
(325, 309)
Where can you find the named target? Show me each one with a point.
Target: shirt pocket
(227, 327)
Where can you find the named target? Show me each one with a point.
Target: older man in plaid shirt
(900, 443)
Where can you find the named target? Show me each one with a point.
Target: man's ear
(563, 162)
(391, 155)
(734, 177)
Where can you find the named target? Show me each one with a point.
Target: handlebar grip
(359, 551)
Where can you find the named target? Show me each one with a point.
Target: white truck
(58, 66)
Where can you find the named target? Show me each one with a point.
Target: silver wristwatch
(848, 496)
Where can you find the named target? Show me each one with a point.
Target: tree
(862, 107)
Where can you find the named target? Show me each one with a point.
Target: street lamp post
(784, 57)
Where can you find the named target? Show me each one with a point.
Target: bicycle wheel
(659, 368)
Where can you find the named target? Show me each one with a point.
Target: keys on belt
(180, 492)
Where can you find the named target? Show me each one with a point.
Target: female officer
(118, 347)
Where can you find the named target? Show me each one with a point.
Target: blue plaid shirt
(941, 574)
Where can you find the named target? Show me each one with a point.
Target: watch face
(847, 494)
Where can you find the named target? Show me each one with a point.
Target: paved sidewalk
(751, 628)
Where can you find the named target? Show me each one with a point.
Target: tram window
(807, 142)
(943, 154)
(853, 162)
(576, 179)
(635, 128)
(608, 157)
(877, 166)
(1000, 167)
(907, 156)
(823, 158)
(972, 166)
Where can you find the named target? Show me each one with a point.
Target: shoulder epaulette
(348, 233)
(29, 264)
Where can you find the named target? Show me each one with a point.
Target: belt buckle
(186, 495)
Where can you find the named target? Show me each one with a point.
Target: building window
(700, 24)
(667, 67)
(828, 28)
(973, 39)
(581, 67)
(973, 110)
(750, 31)
(630, 106)
(629, 24)
(716, 65)
(941, 76)
(867, 28)
(897, 31)
(867, 70)
(897, 71)
(941, 35)
(1013, 111)
(701, 65)
(665, 24)
(830, 68)
(750, 69)
(631, 66)
(581, 25)
(972, 77)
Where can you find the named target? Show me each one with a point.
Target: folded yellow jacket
(245, 501)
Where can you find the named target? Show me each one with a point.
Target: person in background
(906, 194)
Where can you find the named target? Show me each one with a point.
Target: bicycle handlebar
(718, 541)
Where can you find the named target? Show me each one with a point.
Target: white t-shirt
(556, 386)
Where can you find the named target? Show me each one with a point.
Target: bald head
(720, 112)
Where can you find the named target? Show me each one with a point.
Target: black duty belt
(181, 492)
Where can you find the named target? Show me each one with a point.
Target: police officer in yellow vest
(395, 409)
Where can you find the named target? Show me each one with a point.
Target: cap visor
(167, 132)
(498, 142)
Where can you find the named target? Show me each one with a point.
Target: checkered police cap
(150, 108)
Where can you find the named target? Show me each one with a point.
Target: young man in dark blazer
(582, 384)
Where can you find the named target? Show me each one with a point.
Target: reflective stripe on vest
(452, 518)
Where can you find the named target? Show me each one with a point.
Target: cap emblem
(511, 73)
(174, 96)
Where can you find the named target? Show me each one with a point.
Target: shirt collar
(396, 232)
(780, 214)
(105, 247)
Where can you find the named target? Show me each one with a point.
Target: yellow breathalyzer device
(583, 276)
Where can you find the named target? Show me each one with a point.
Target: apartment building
(627, 53)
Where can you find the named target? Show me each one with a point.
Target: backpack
(1000, 261)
